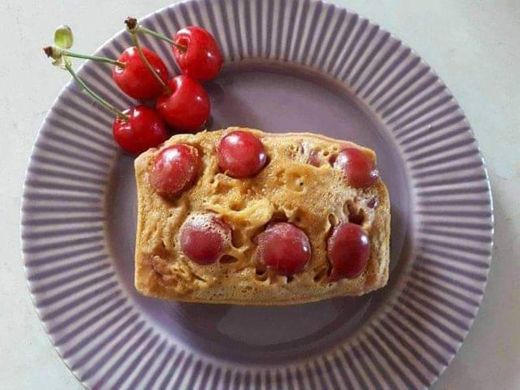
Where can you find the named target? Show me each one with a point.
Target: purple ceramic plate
(290, 66)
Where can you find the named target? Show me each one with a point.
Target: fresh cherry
(204, 238)
(197, 53)
(358, 169)
(284, 248)
(241, 154)
(141, 129)
(194, 48)
(348, 250)
(185, 107)
(175, 169)
(134, 77)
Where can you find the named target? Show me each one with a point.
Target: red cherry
(186, 108)
(349, 250)
(204, 238)
(175, 169)
(284, 248)
(197, 53)
(359, 170)
(135, 79)
(143, 129)
(241, 154)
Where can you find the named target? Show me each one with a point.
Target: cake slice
(239, 216)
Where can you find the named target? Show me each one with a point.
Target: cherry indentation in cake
(315, 158)
(372, 203)
(354, 212)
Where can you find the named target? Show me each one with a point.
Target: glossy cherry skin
(175, 170)
(241, 154)
(197, 53)
(358, 169)
(135, 79)
(186, 108)
(204, 238)
(144, 129)
(284, 248)
(348, 250)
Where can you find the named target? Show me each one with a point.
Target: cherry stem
(94, 95)
(93, 58)
(132, 25)
(55, 52)
(144, 30)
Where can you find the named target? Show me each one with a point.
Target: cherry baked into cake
(240, 216)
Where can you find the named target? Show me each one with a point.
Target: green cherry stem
(94, 95)
(131, 24)
(94, 58)
(54, 51)
(144, 30)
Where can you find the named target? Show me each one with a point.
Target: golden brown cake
(299, 184)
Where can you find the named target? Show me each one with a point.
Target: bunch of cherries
(180, 102)
(282, 247)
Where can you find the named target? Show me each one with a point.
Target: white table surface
(474, 45)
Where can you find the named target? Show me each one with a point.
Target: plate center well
(274, 99)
